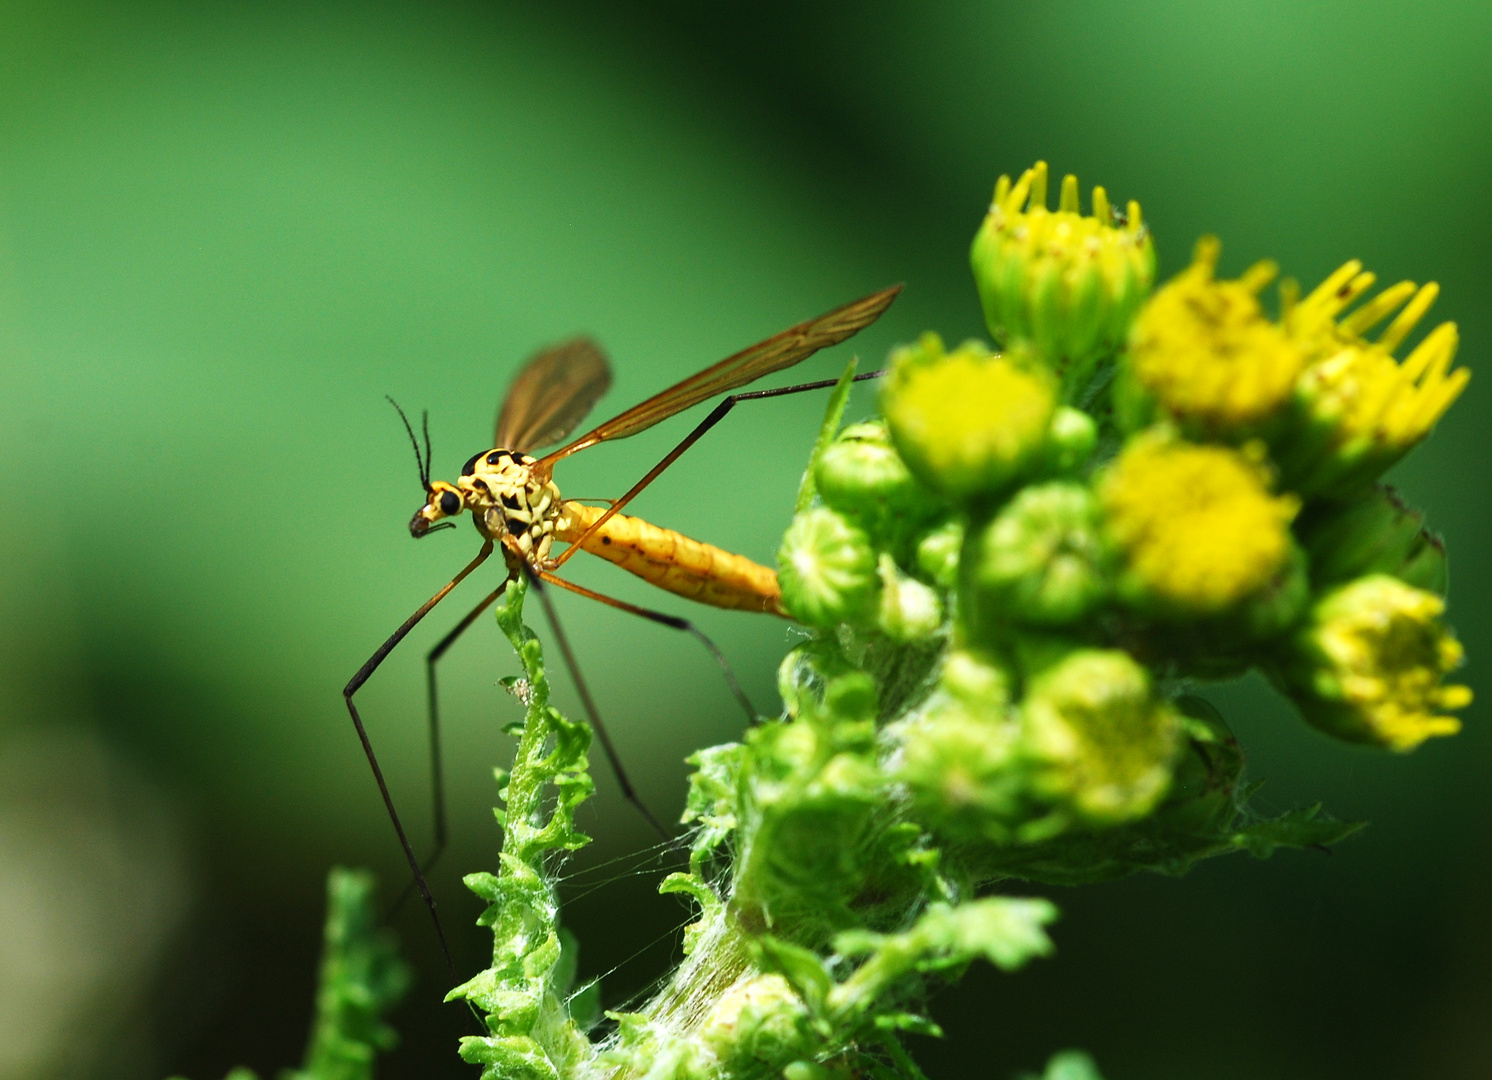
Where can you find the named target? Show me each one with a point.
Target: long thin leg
(432, 716)
(628, 791)
(667, 620)
(362, 676)
(437, 770)
(716, 415)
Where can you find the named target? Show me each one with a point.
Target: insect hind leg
(536, 579)
(675, 622)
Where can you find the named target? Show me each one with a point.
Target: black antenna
(419, 462)
(429, 458)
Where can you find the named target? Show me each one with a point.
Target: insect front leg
(364, 673)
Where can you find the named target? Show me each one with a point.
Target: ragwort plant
(1017, 577)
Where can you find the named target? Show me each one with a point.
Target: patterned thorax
(505, 496)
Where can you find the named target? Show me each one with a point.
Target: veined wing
(779, 351)
(552, 394)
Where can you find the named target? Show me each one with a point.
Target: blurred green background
(226, 231)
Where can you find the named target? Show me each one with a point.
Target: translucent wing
(777, 352)
(552, 394)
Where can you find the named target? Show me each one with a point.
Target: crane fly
(515, 505)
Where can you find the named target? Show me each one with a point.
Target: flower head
(1361, 409)
(1066, 283)
(970, 422)
(1098, 739)
(1208, 355)
(861, 475)
(1368, 666)
(1197, 527)
(1040, 560)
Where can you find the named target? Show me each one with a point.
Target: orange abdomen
(672, 561)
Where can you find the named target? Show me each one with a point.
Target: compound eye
(450, 503)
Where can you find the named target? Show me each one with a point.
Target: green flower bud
(957, 752)
(1368, 665)
(968, 423)
(1068, 284)
(1040, 560)
(1071, 440)
(808, 1070)
(1099, 742)
(910, 611)
(827, 568)
(937, 552)
(806, 671)
(861, 475)
(1376, 534)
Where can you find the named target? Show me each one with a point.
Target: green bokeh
(227, 232)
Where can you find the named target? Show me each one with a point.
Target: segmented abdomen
(672, 561)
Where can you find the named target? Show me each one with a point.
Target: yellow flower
(1065, 283)
(1207, 354)
(967, 423)
(1197, 525)
(1361, 408)
(1368, 667)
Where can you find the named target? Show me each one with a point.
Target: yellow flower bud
(968, 423)
(1197, 526)
(1098, 740)
(1359, 409)
(1369, 664)
(1206, 354)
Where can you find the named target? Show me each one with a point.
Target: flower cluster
(1190, 492)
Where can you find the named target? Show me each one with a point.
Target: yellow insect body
(673, 561)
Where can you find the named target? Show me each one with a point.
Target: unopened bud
(861, 475)
(956, 752)
(1066, 283)
(1099, 741)
(909, 611)
(938, 552)
(1070, 440)
(1040, 560)
(968, 423)
(827, 568)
